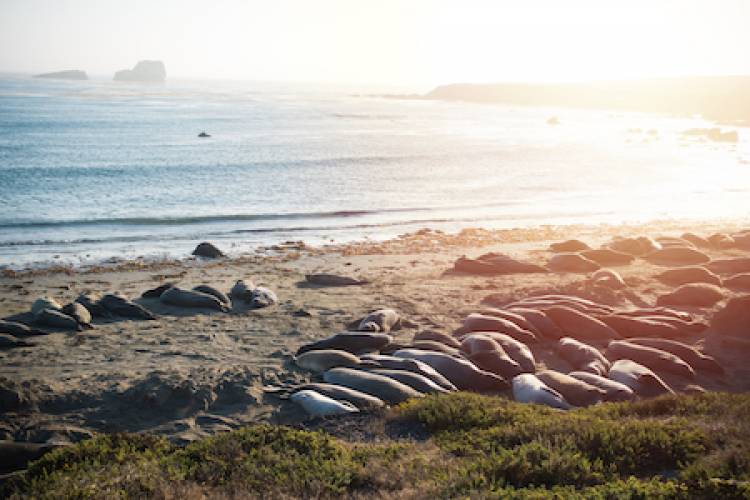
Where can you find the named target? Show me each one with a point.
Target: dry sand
(192, 373)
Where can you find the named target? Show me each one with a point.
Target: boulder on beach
(144, 71)
(692, 294)
(208, 251)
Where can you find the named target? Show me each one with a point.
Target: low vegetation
(460, 445)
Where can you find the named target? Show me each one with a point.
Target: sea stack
(144, 71)
(68, 74)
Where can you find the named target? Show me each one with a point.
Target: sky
(400, 42)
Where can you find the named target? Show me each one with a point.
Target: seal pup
(389, 390)
(357, 398)
(353, 342)
(581, 355)
(189, 298)
(462, 373)
(221, 296)
(653, 358)
(689, 354)
(614, 391)
(241, 289)
(79, 313)
(19, 329)
(56, 319)
(319, 405)
(411, 365)
(640, 379)
(45, 303)
(413, 380)
(527, 388)
(575, 391)
(382, 320)
(261, 296)
(121, 306)
(324, 279)
(319, 361)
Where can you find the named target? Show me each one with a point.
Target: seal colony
(187, 350)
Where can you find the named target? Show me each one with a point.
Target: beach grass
(459, 445)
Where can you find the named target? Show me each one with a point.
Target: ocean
(95, 170)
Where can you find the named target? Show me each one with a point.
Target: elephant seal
(353, 342)
(431, 345)
(382, 320)
(497, 362)
(494, 264)
(608, 278)
(650, 357)
(575, 391)
(569, 246)
(608, 257)
(155, 293)
(207, 250)
(579, 325)
(581, 355)
(221, 296)
(92, 305)
(740, 281)
(79, 313)
(513, 317)
(56, 319)
(692, 294)
(629, 326)
(241, 289)
(188, 298)
(543, 324)
(462, 373)
(19, 329)
(695, 240)
(641, 245)
(121, 306)
(413, 380)
(691, 356)
(721, 240)
(359, 399)
(443, 338)
(411, 365)
(690, 274)
(43, 303)
(518, 351)
(730, 266)
(389, 390)
(614, 391)
(733, 318)
(11, 342)
(639, 378)
(261, 296)
(481, 323)
(677, 255)
(477, 342)
(323, 279)
(319, 361)
(527, 388)
(572, 263)
(319, 405)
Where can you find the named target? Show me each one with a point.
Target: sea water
(98, 169)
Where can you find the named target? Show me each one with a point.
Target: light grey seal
(43, 303)
(357, 398)
(213, 291)
(91, 303)
(575, 391)
(354, 342)
(241, 289)
(189, 298)
(382, 320)
(319, 405)
(614, 391)
(411, 365)
(462, 373)
(640, 379)
(321, 360)
(121, 306)
(261, 296)
(527, 388)
(389, 390)
(79, 313)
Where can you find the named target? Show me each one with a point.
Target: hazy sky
(380, 41)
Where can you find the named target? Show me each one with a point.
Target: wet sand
(192, 373)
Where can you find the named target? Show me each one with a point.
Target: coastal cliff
(144, 71)
(70, 74)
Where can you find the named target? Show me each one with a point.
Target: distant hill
(722, 98)
(144, 71)
(70, 74)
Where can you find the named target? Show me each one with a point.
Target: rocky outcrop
(69, 74)
(144, 71)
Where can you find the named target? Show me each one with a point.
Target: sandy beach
(193, 372)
